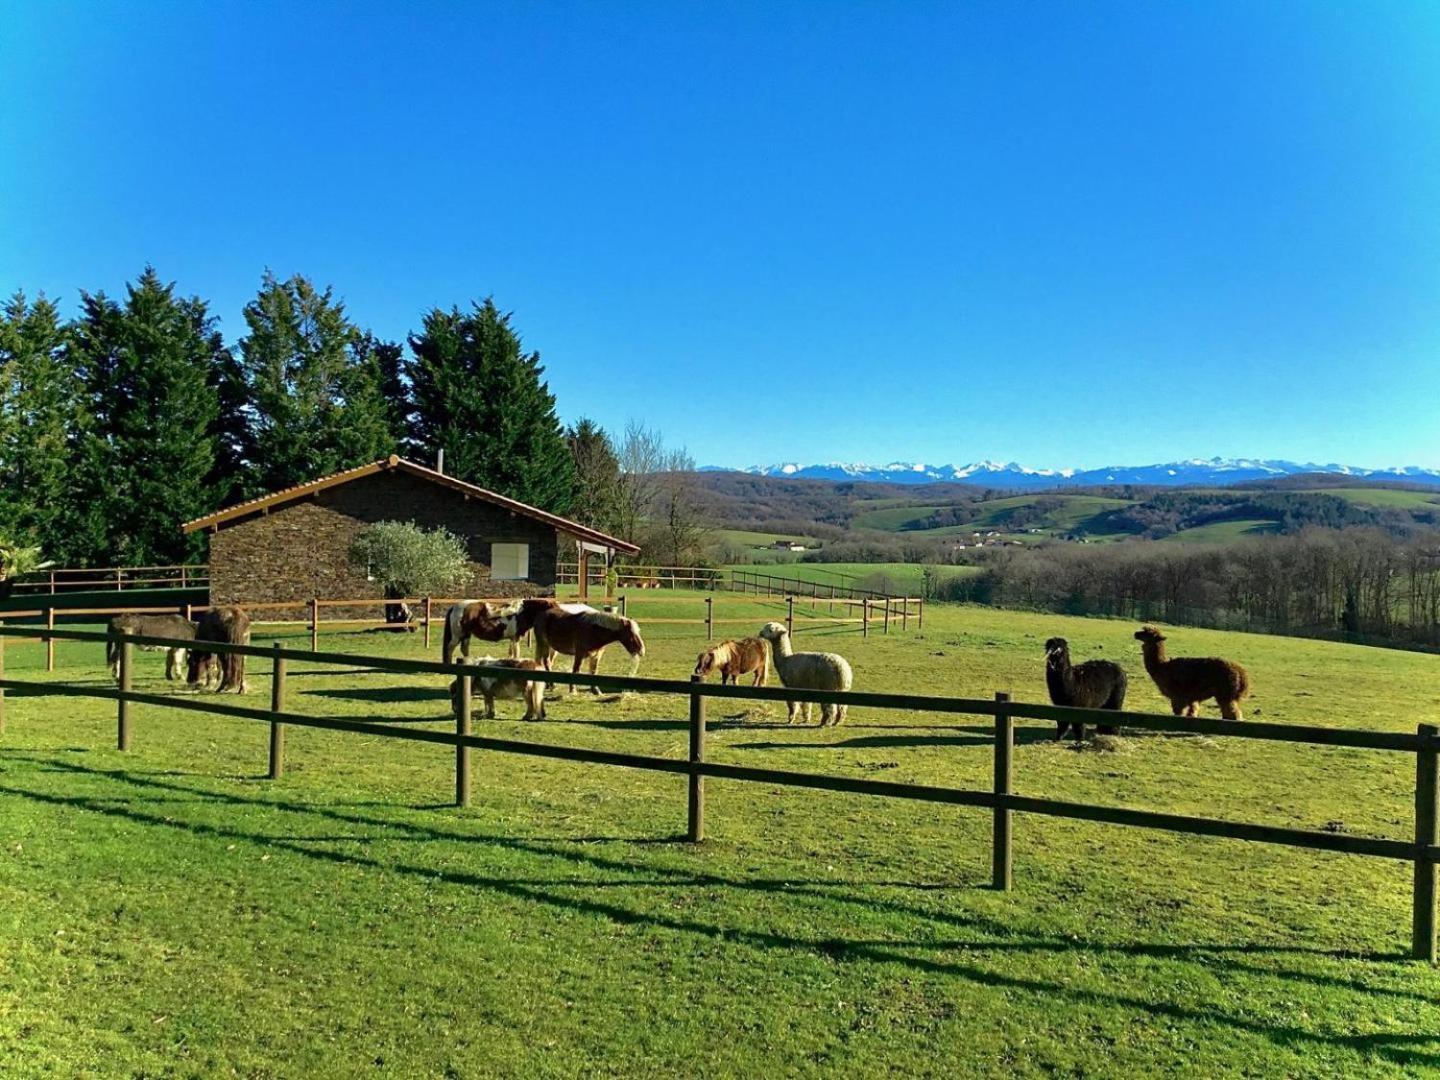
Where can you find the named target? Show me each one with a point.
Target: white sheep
(808, 671)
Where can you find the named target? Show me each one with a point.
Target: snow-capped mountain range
(1212, 471)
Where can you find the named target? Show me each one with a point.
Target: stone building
(294, 544)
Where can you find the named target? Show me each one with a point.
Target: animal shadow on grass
(943, 737)
(398, 694)
(1403, 1048)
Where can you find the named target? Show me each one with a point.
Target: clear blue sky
(1068, 234)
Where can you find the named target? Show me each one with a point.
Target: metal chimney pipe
(440, 461)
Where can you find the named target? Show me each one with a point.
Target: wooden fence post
(1000, 860)
(622, 605)
(697, 755)
(865, 616)
(427, 622)
(709, 617)
(1427, 828)
(182, 577)
(52, 582)
(122, 712)
(920, 614)
(277, 705)
(189, 613)
(905, 614)
(315, 624)
(2, 676)
(119, 580)
(790, 614)
(887, 614)
(462, 753)
(50, 641)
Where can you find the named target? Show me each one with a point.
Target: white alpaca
(808, 671)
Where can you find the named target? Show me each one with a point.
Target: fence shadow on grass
(1398, 1048)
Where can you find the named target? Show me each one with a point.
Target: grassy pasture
(906, 576)
(1222, 532)
(1075, 512)
(1385, 497)
(168, 912)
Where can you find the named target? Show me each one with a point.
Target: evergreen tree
(480, 398)
(39, 420)
(388, 358)
(597, 475)
(315, 394)
(234, 446)
(148, 450)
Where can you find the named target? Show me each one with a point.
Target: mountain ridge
(1193, 471)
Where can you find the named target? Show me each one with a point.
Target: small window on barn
(509, 562)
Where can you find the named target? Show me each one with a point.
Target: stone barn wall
(300, 549)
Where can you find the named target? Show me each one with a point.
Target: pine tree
(39, 420)
(317, 404)
(480, 398)
(148, 450)
(597, 475)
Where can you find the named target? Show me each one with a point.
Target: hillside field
(168, 912)
(904, 576)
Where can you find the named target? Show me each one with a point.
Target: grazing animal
(478, 619)
(226, 624)
(1095, 684)
(736, 658)
(808, 671)
(1189, 680)
(495, 622)
(492, 689)
(168, 626)
(585, 635)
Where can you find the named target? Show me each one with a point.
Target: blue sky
(1068, 234)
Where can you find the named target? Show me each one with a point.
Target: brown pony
(223, 624)
(585, 635)
(736, 658)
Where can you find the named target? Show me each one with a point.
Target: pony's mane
(603, 619)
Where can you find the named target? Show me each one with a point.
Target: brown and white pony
(585, 635)
(224, 624)
(495, 622)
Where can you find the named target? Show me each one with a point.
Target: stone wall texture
(300, 550)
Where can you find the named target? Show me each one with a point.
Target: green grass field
(750, 538)
(1404, 500)
(1076, 512)
(167, 912)
(904, 576)
(1222, 532)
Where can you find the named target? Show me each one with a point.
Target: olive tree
(406, 560)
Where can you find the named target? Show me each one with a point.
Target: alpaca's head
(1149, 635)
(773, 631)
(1056, 647)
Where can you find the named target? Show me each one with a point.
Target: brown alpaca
(1189, 680)
(735, 658)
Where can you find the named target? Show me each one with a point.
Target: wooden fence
(429, 613)
(758, 581)
(1423, 852)
(119, 578)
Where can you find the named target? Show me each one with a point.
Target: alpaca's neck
(782, 646)
(1154, 654)
(1059, 676)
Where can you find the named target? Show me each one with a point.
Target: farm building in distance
(788, 545)
(294, 544)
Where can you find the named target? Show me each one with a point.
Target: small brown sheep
(735, 658)
(1189, 680)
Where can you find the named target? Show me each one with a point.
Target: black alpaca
(1095, 684)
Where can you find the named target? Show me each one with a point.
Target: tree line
(136, 415)
(1360, 584)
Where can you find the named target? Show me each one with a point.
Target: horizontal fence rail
(1002, 801)
(118, 578)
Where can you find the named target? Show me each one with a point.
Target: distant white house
(788, 545)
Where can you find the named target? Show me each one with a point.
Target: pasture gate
(1423, 852)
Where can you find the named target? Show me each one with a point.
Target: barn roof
(401, 465)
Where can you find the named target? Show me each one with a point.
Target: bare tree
(657, 500)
